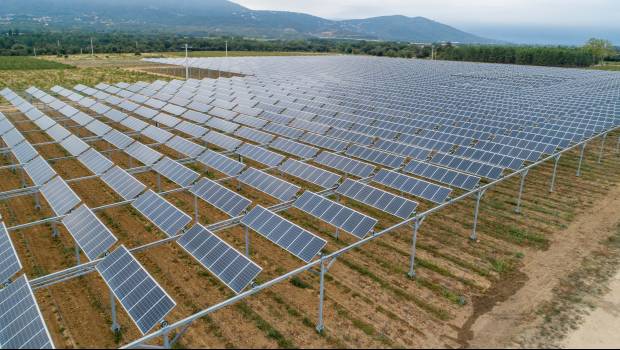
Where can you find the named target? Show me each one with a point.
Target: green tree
(600, 49)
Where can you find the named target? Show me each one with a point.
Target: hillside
(216, 17)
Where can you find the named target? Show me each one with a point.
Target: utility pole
(92, 48)
(58, 44)
(35, 51)
(226, 48)
(186, 62)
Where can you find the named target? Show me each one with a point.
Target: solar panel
(295, 148)
(324, 142)
(378, 199)
(191, 129)
(9, 261)
(222, 125)
(95, 161)
(374, 156)
(12, 138)
(222, 141)
(221, 163)
(468, 166)
(118, 139)
(89, 232)
(60, 196)
(157, 134)
(160, 212)
(283, 130)
(403, 149)
(122, 183)
(143, 153)
(167, 120)
(39, 171)
(196, 117)
(254, 135)
(74, 145)
(335, 214)
(21, 322)
(269, 184)
(284, 233)
(222, 260)
(260, 155)
(185, 147)
(309, 173)
(24, 152)
(98, 128)
(140, 295)
(220, 197)
(443, 175)
(415, 187)
(345, 164)
(176, 172)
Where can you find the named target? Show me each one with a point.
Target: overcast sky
(587, 17)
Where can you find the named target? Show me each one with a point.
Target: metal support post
(474, 234)
(414, 241)
(337, 234)
(196, 208)
(37, 201)
(583, 148)
(166, 339)
(54, 229)
(158, 182)
(555, 169)
(22, 177)
(523, 175)
(246, 230)
(115, 326)
(320, 326)
(600, 152)
(77, 254)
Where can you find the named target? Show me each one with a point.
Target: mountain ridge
(218, 17)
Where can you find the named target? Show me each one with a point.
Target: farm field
(370, 301)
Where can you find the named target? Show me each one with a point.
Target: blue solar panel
(221, 259)
(284, 233)
(21, 322)
(140, 295)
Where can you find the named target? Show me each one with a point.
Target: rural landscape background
(544, 278)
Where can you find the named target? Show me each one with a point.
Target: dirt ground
(599, 329)
(509, 321)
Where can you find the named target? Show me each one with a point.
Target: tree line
(22, 43)
(593, 52)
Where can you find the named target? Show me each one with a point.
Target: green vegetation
(538, 55)
(29, 63)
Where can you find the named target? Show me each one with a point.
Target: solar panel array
(21, 323)
(140, 295)
(9, 261)
(335, 214)
(231, 267)
(284, 233)
(451, 124)
(90, 234)
(160, 212)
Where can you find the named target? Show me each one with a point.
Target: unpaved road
(600, 327)
(509, 319)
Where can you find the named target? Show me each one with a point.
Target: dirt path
(543, 270)
(600, 327)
